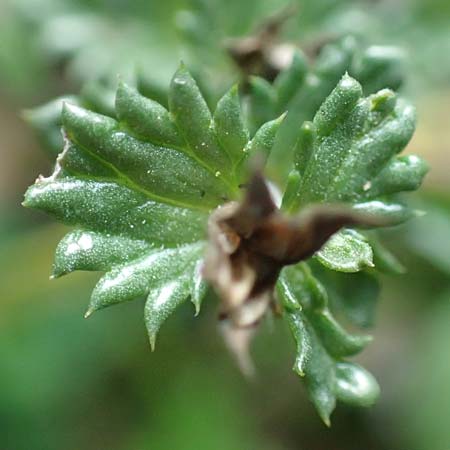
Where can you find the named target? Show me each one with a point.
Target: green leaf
(355, 386)
(193, 118)
(199, 288)
(162, 302)
(261, 144)
(301, 88)
(351, 295)
(262, 106)
(349, 154)
(290, 80)
(139, 185)
(139, 277)
(229, 124)
(89, 250)
(322, 344)
(346, 251)
(146, 118)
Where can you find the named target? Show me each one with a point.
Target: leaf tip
(235, 89)
(89, 312)
(298, 370)
(69, 112)
(57, 273)
(29, 200)
(152, 340)
(280, 119)
(350, 86)
(121, 85)
(419, 213)
(196, 309)
(182, 69)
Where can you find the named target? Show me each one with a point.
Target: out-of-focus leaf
(301, 88)
(352, 294)
(46, 119)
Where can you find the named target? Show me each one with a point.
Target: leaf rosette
(139, 188)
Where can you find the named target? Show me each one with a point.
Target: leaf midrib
(128, 182)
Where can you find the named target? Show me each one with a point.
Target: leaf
(199, 287)
(383, 259)
(142, 275)
(355, 386)
(348, 153)
(139, 185)
(230, 128)
(351, 295)
(301, 88)
(346, 251)
(322, 344)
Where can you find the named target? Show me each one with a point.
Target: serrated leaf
(192, 116)
(139, 186)
(89, 250)
(301, 88)
(349, 153)
(162, 302)
(111, 208)
(140, 276)
(322, 344)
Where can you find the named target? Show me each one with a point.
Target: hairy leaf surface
(139, 183)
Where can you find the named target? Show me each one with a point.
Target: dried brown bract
(260, 53)
(249, 243)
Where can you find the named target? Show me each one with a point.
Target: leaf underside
(138, 189)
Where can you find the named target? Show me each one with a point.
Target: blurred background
(67, 383)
